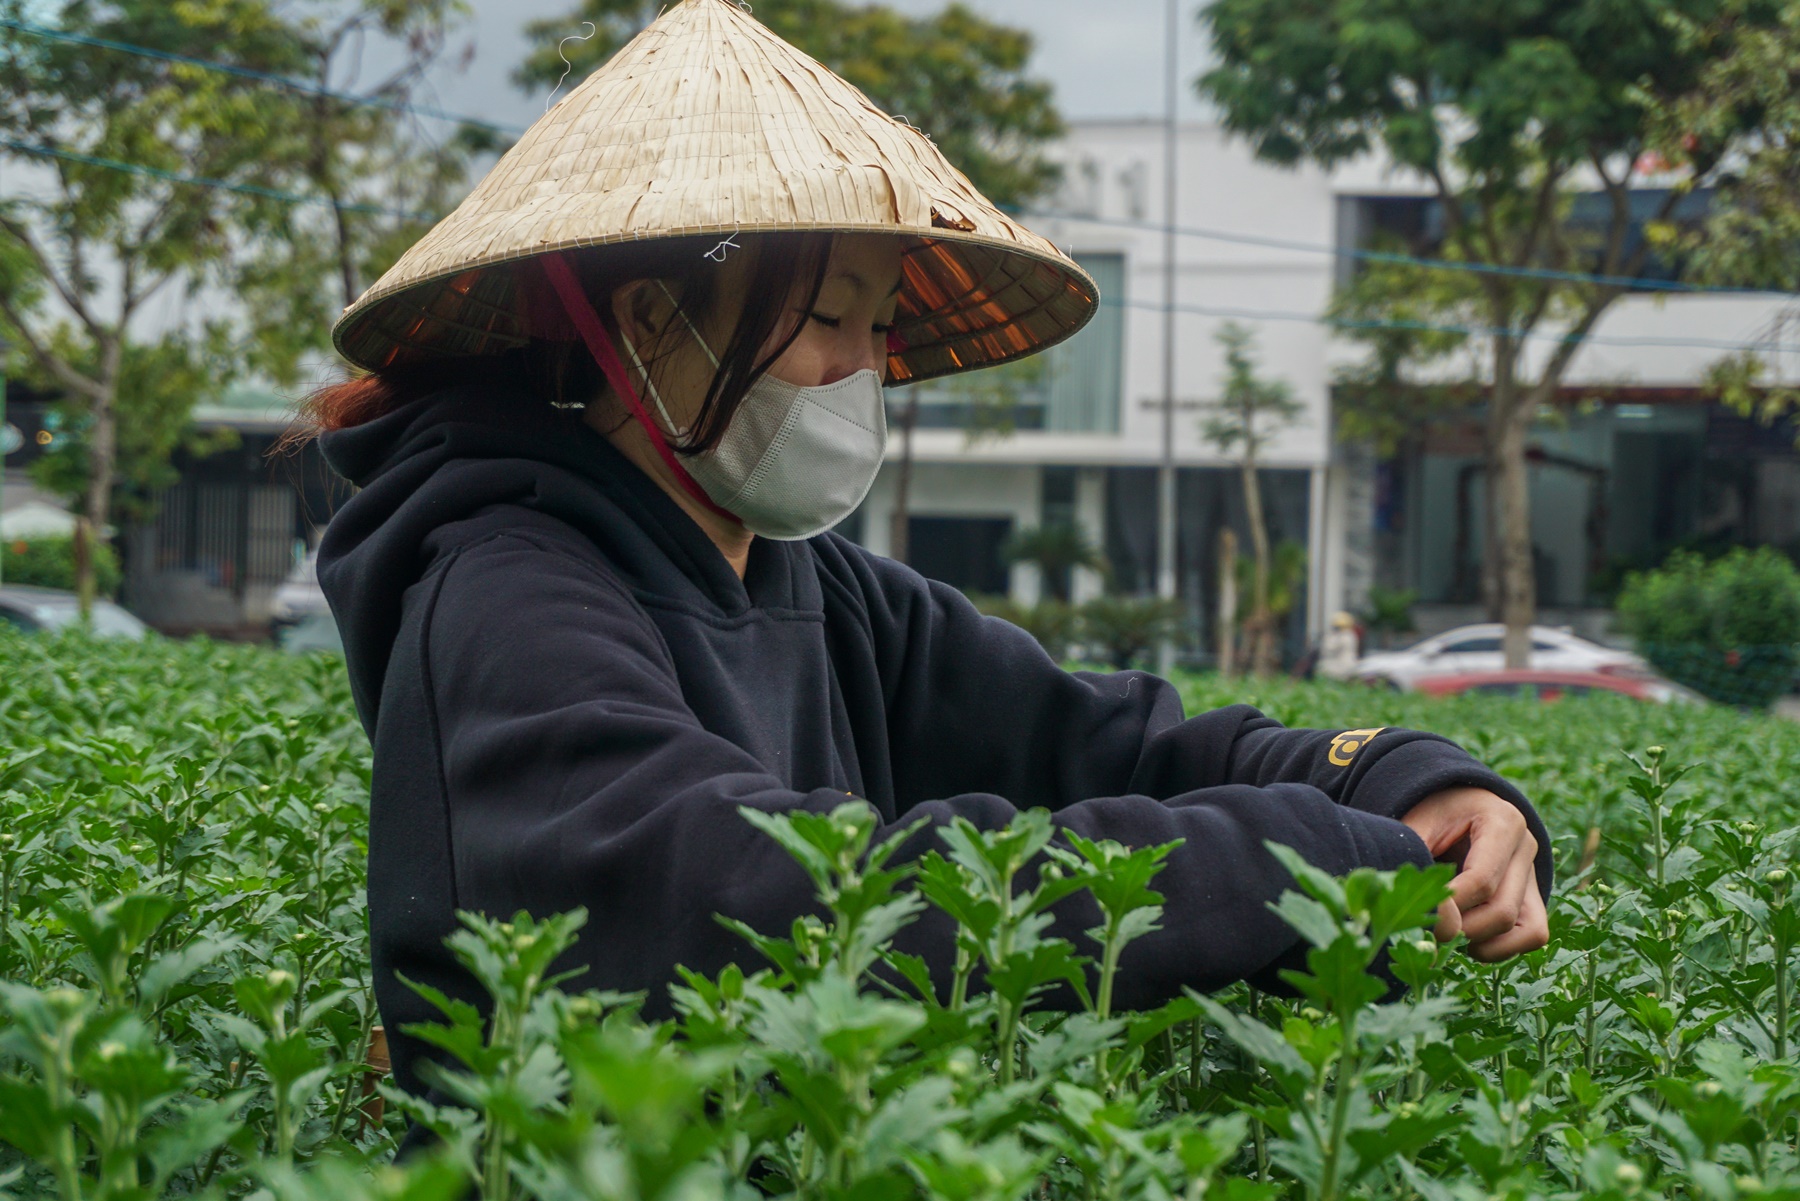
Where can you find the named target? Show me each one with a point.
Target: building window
(1086, 372)
(1073, 387)
(963, 552)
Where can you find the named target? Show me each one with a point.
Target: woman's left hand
(1495, 899)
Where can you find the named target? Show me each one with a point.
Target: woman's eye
(822, 319)
(884, 330)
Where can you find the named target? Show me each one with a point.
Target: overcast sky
(1104, 57)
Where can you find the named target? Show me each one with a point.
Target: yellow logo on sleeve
(1345, 745)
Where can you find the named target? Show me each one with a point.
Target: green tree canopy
(1505, 112)
(146, 188)
(956, 76)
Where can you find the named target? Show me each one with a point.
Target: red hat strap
(587, 323)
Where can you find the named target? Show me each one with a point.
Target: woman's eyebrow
(863, 284)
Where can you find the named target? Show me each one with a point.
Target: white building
(1088, 442)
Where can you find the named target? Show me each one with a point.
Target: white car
(299, 596)
(1477, 648)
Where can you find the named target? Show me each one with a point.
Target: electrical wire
(1635, 283)
(197, 181)
(1229, 312)
(283, 81)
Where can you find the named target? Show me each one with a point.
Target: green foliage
(1287, 576)
(955, 75)
(1055, 624)
(88, 249)
(1056, 550)
(1726, 627)
(1505, 114)
(1751, 52)
(159, 384)
(50, 563)
(1251, 410)
(1124, 629)
(185, 1005)
(1390, 610)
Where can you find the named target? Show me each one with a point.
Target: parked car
(1554, 685)
(314, 632)
(48, 609)
(298, 597)
(1477, 648)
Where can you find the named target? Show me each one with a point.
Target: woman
(590, 610)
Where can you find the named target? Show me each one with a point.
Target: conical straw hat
(709, 124)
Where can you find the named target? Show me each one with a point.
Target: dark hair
(563, 373)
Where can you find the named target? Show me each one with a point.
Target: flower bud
(1709, 1088)
(321, 807)
(1425, 946)
(1778, 877)
(1749, 1184)
(1629, 1175)
(280, 978)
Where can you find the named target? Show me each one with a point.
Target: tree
(1247, 416)
(149, 177)
(1056, 550)
(1744, 108)
(1505, 113)
(958, 77)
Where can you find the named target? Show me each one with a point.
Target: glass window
(1086, 373)
(1473, 646)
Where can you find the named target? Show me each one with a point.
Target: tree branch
(64, 289)
(52, 363)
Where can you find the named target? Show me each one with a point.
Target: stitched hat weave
(707, 123)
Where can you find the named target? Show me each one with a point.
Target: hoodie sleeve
(975, 704)
(573, 773)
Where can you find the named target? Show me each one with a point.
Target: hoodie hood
(443, 459)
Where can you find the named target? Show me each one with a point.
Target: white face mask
(794, 461)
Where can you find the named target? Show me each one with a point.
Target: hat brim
(966, 300)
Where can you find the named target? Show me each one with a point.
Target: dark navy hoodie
(571, 693)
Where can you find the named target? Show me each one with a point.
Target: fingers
(1505, 903)
(1531, 932)
(1449, 922)
(1498, 841)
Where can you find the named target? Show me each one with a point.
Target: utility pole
(1165, 476)
(5, 349)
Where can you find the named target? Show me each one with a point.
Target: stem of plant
(1781, 998)
(1340, 1112)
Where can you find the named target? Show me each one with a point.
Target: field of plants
(185, 1008)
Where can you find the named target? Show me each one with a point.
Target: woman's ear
(638, 310)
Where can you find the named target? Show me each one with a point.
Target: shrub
(1727, 628)
(185, 1003)
(1052, 622)
(50, 563)
(1124, 629)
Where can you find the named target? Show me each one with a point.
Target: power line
(1216, 235)
(284, 81)
(1196, 309)
(1244, 314)
(1384, 256)
(197, 181)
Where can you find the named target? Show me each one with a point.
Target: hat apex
(707, 123)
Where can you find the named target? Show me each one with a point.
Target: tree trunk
(898, 520)
(1261, 626)
(1509, 502)
(103, 449)
(1227, 624)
